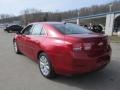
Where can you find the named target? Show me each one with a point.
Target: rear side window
(43, 32)
(71, 29)
(37, 29)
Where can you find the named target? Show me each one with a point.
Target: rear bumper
(82, 66)
(69, 63)
(89, 65)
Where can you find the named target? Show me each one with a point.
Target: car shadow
(106, 79)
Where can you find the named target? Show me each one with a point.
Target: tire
(17, 51)
(45, 66)
(4, 30)
(8, 31)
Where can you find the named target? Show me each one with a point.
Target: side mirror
(19, 29)
(18, 32)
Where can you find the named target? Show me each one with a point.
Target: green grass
(115, 39)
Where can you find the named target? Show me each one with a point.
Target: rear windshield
(71, 29)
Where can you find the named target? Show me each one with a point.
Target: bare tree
(34, 15)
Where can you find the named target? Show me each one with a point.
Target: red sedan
(63, 48)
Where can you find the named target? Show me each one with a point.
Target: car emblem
(100, 44)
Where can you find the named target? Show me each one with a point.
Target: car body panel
(59, 49)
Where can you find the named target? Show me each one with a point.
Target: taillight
(82, 46)
(79, 46)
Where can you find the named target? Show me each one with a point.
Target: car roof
(50, 23)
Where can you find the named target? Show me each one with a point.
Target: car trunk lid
(93, 44)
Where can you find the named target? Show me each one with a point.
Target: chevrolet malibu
(63, 48)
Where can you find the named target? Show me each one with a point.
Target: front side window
(27, 30)
(71, 29)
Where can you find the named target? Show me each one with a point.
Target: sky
(15, 7)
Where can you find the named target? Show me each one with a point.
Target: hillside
(32, 15)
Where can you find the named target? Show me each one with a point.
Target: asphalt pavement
(18, 72)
